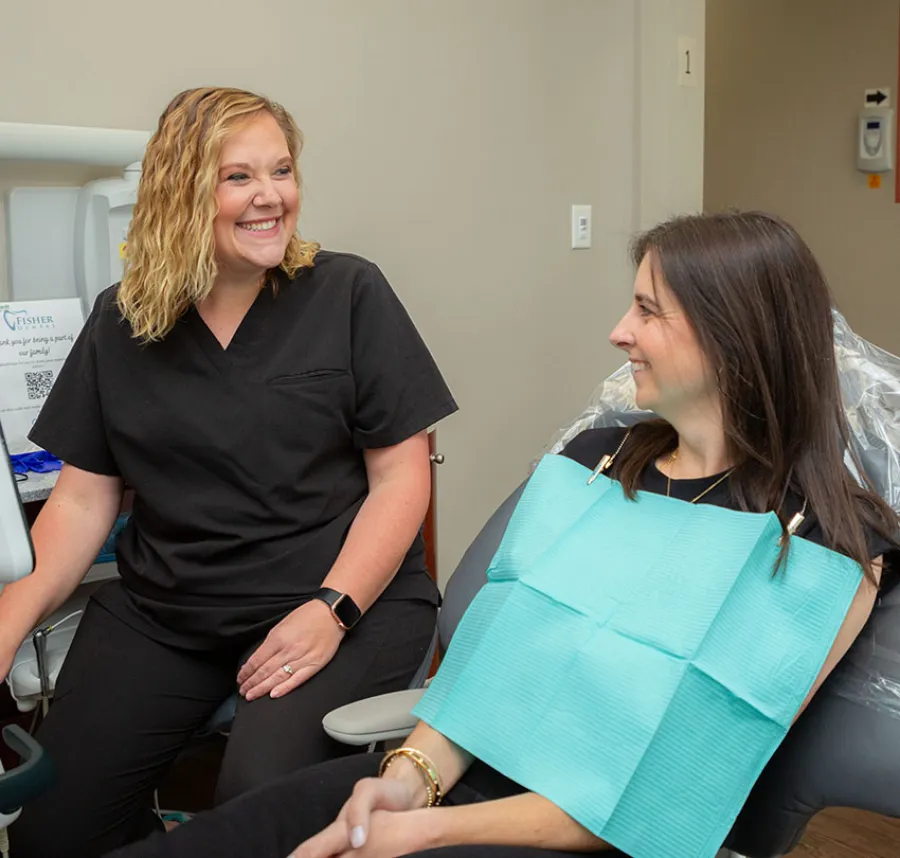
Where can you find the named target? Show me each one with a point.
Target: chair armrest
(30, 778)
(375, 719)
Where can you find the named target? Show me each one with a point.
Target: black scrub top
(588, 447)
(246, 462)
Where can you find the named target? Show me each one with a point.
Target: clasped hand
(379, 820)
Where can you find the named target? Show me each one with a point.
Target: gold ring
(288, 669)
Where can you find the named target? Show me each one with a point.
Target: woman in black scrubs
(268, 403)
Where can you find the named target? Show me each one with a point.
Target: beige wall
(446, 141)
(670, 117)
(785, 81)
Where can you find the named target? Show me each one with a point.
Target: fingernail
(358, 837)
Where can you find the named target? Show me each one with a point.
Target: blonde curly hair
(171, 258)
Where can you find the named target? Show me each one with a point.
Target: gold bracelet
(429, 772)
(433, 786)
(389, 758)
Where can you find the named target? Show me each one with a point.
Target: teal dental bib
(637, 663)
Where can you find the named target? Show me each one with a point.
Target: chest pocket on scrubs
(310, 412)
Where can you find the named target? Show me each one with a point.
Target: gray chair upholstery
(471, 573)
(840, 753)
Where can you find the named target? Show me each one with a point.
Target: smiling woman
(255, 392)
(670, 369)
(257, 197)
(221, 165)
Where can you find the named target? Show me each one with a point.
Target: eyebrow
(640, 297)
(244, 166)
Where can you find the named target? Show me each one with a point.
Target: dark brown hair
(761, 309)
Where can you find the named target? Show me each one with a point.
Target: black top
(588, 447)
(247, 462)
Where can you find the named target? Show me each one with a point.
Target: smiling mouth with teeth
(259, 226)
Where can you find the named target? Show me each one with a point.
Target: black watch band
(344, 610)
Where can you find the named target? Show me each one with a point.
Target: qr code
(38, 384)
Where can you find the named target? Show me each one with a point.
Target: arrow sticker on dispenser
(878, 97)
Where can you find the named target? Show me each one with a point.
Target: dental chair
(34, 773)
(844, 751)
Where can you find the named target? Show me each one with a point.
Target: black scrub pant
(271, 821)
(125, 706)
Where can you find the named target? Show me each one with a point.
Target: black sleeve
(399, 389)
(70, 424)
(878, 545)
(588, 447)
(811, 529)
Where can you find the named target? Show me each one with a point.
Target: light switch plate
(581, 227)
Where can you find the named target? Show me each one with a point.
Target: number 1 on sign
(687, 61)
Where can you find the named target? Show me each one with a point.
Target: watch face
(346, 611)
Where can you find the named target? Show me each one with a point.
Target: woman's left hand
(304, 641)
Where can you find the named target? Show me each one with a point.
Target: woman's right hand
(353, 824)
(69, 531)
(371, 794)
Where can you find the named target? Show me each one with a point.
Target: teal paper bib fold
(636, 662)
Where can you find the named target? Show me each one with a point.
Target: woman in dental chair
(268, 403)
(638, 725)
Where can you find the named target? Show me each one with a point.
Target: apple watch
(345, 611)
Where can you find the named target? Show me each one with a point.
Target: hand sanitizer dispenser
(102, 215)
(875, 147)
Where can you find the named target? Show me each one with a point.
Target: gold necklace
(671, 461)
